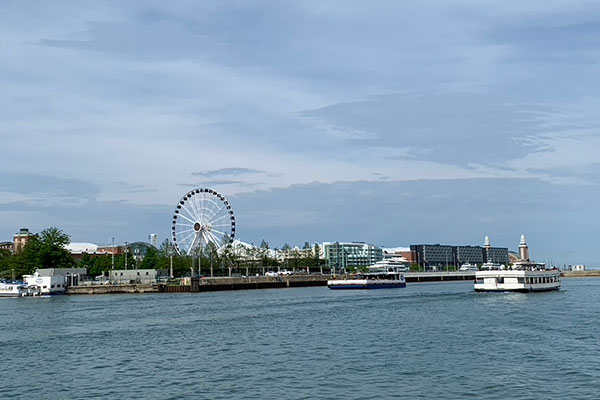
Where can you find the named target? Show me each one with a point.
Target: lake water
(430, 341)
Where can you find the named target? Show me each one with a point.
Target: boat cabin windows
(534, 280)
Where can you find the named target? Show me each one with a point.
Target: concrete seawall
(581, 274)
(112, 289)
(254, 282)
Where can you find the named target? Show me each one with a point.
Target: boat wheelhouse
(377, 277)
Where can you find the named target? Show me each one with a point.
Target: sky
(392, 123)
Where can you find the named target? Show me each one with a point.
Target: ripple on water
(424, 341)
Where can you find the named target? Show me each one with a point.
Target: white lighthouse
(523, 249)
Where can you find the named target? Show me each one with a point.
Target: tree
(5, 268)
(52, 252)
(150, 260)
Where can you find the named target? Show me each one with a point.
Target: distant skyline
(385, 122)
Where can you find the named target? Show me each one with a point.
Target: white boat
(17, 289)
(468, 267)
(520, 277)
(400, 262)
(376, 278)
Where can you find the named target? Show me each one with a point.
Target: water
(434, 341)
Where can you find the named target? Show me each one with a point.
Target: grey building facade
(430, 255)
(498, 255)
(469, 254)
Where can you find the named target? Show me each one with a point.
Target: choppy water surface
(440, 341)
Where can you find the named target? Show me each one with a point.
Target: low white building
(579, 267)
(134, 275)
(55, 280)
(53, 284)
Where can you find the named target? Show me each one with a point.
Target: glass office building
(340, 255)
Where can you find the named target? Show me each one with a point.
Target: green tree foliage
(5, 264)
(150, 259)
(52, 252)
(96, 265)
(45, 250)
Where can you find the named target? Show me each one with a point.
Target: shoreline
(262, 282)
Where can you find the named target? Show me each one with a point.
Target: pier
(253, 282)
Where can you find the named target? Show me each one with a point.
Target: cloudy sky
(388, 122)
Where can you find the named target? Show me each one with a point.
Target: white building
(579, 267)
(121, 276)
(54, 284)
(55, 280)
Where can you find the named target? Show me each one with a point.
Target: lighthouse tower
(523, 249)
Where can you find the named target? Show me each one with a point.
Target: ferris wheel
(202, 217)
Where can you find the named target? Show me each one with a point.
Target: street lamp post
(565, 253)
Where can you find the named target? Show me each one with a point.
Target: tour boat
(376, 278)
(523, 276)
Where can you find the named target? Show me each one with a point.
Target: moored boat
(376, 278)
(16, 289)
